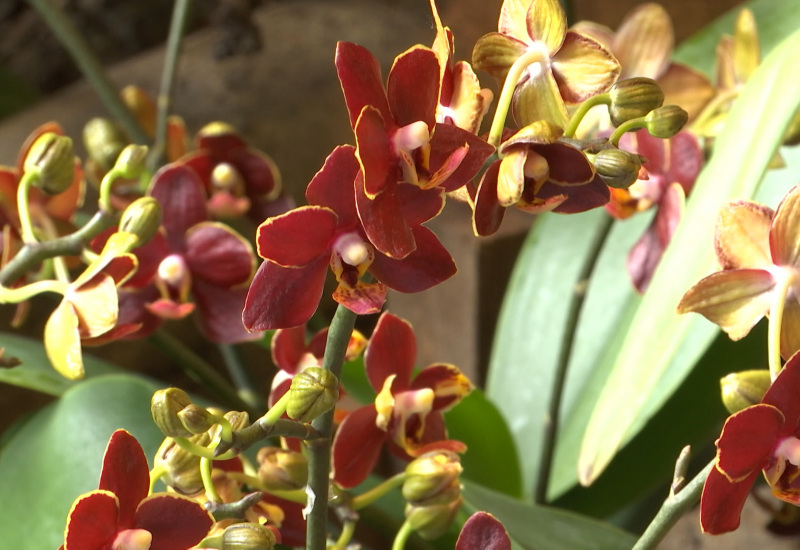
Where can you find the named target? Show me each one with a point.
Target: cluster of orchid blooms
(158, 248)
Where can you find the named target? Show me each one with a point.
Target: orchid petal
(722, 501)
(182, 196)
(218, 255)
(790, 327)
(487, 211)
(221, 313)
(126, 474)
(361, 80)
(495, 53)
(332, 186)
(448, 383)
(298, 237)
(782, 394)
(62, 341)
(538, 99)
(483, 530)
(92, 521)
(747, 441)
(413, 86)
(784, 237)
(583, 68)
(374, 152)
(514, 19)
(742, 235)
(392, 350)
(644, 41)
(547, 23)
(175, 521)
(356, 447)
(386, 229)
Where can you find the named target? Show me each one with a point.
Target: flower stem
(575, 121)
(565, 353)
(319, 450)
(200, 370)
(784, 283)
(348, 529)
(504, 101)
(671, 511)
(368, 497)
(402, 536)
(177, 27)
(89, 65)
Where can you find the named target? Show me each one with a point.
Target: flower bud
(182, 467)
(432, 521)
(665, 121)
(104, 142)
(237, 419)
(633, 98)
(142, 217)
(165, 406)
(142, 106)
(196, 419)
(313, 392)
(282, 470)
(618, 168)
(431, 475)
(131, 161)
(248, 536)
(743, 389)
(51, 156)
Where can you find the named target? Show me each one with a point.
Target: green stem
(504, 101)
(277, 410)
(208, 482)
(565, 353)
(786, 278)
(348, 529)
(176, 31)
(200, 370)
(628, 126)
(89, 65)
(368, 497)
(575, 121)
(671, 511)
(402, 536)
(241, 377)
(319, 450)
(24, 293)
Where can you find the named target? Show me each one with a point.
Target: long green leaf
(544, 528)
(647, 359)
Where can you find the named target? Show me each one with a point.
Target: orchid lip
(352, 249)
(412, 136)
(172, 270)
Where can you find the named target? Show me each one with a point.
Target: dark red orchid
(299, 245)
(398, 140)
(191, 262)
(761, 437)
(483, 531)
(672, 167)
(407, 412)
(537, 173)
(121, 515)
(238, 179)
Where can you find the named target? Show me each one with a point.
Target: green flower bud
(165, 406)
(104, 142)
(432, 521)
(248, 536)
(618, 168)
(142, 217)
(313, 392)
(431, 475)
(665, 121)
(282, 470)
(51, 156)
(196, 419)
(237, 419)
(633, 98)
(131, 161)
(743, 389)
(182, 467)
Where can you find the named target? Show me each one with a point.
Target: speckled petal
(547, 23)
(583, 68)
(742, 235)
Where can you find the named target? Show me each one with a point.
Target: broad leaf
(57, 455)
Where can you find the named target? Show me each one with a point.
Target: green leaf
(652, 361)
(36, 373)
(57, 455)
(491, 457)
(545, 528)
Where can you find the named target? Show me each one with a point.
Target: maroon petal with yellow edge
(176, 522)
(218, 256)
(583, 68)
(784, 237)
(332, 187)
(392, 350)
(92, 522)
(747, 441)
(735, 300)
(363, 298)
(426, 267)
(282, 297)
(446, 139)
(362, 84)
(722, 501)
(383, 221)
(483, 530)
(580, 198)
(356, 447)
(448, 383)
(298, 237)
(378, 163)
(782, 394)
(183, 202)
(413, 86)
(419, 205)
(487, 213)
(288, 347)
(125, 473)
(220, 310)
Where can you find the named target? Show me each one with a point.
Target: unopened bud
(744, 389)
(282, 470)
(165, 406)
(633, 98)
(131, 161)
(431, 475)
(104, 141)
(142, 106)
(665, 121)
(313, 392)
(196, 419)
(52, 157)
(182, 467)
(432, 521)
(248, 536)
(618, 168)
(142, 217)
(237, 419)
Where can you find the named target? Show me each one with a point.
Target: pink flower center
(132, 539)
(226, 177)
(352, 249)
(173, 270)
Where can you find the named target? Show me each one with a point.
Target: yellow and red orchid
(120, 514)
(299, 245)
(407, 413)
(763, 437)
